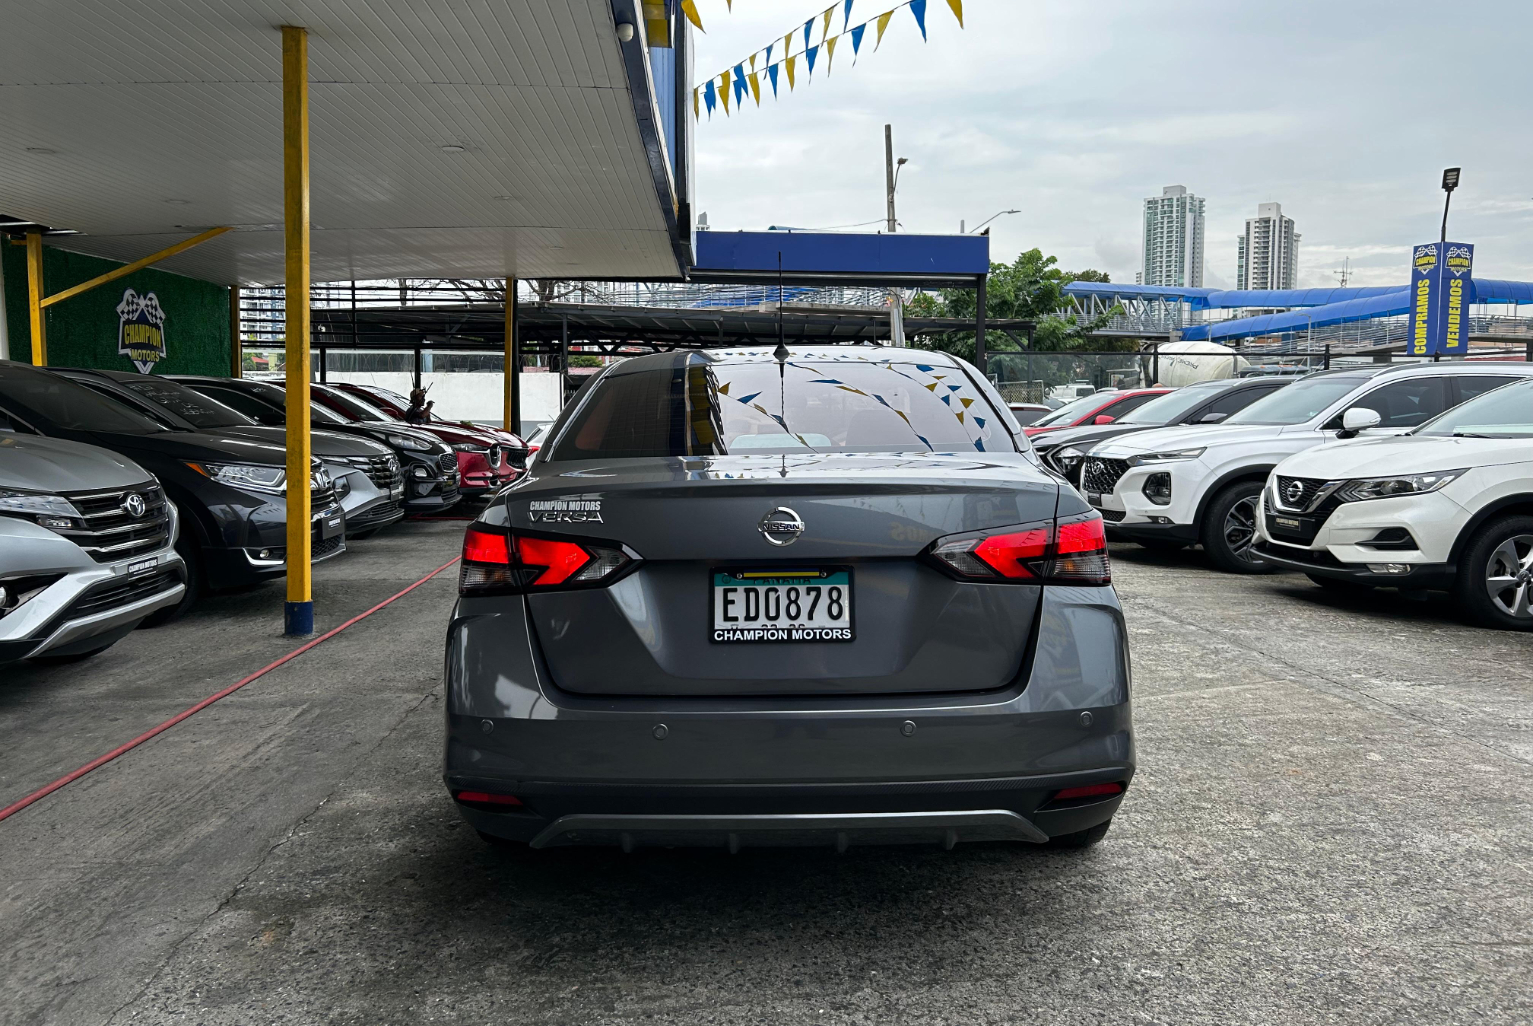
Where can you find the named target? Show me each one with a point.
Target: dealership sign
(141, 330)
(1440, 294)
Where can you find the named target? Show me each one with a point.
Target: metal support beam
(564, 359)
(35, 299)
(137, 265)
(299, 612)
(979, 323)
(236, 346)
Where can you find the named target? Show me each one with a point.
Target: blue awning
(1196, 298)
(1386, 305)
(1235, 298)
(840, 256)
(1489, 290)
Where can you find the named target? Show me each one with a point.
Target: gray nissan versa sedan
(818, 596)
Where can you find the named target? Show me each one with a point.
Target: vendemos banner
(1440, 290)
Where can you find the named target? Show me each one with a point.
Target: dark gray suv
(818, 596)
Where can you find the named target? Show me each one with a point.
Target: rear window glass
(856, 404)
(70, 406)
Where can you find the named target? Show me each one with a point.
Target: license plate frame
(809, 630)
(143, 566)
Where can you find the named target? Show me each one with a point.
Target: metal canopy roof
(482, 326)
(841, 257)
(138, 122)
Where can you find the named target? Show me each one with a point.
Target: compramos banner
(1440, 294)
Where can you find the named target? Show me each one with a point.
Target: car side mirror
(1103, 418)
(1212, 418)
(1358, 419)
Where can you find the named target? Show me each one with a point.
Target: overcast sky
(1075, 112)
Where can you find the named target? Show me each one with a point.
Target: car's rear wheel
(1229, 530)
(1495, 576)
(1081, 838)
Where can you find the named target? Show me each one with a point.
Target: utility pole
(896, 303)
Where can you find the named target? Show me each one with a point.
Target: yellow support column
(35, 299)
(298, 615)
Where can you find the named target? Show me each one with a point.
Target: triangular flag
(787, 44)
(883, 23)
(724, 90)
(689, 8)
(957, 6)
(769, 52)
(809, 55)
(857, 39)
(918, 8)
(829, 13)
(772, 74)
(791, 61)
(696, 113)
(739, 83)
(753, 61)
(756, 87)
(808, 28)
(710, 97)
(830, 52)
(846, 19)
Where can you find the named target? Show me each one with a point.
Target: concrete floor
(1332, 823)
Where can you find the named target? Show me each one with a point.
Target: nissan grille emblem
(1293, 491)
(134, 504)
(782, 526)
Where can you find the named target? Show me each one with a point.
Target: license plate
(143, 566)
(1288, 522)
(782, 605)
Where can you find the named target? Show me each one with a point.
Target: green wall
(82, 332)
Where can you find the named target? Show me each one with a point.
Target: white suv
(1172, 487)
(1448, 506)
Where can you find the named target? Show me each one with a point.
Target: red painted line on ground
(69, 778)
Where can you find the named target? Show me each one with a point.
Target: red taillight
(1088, 791)
(1072, 551)
(485, 546)
(554, 561)
(499, 561)
(486, 798)
(1009, 554)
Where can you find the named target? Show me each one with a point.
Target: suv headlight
(49, 510)
(409, 442)
(1065, 460)
(469, 447)
(1168, 457)
(1388, 487)
(272, 480)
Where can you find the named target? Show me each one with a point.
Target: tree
(1029, 288)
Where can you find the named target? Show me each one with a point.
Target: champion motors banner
(1441, 273)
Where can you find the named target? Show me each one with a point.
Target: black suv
(367, 478)
(230, 491)
(430, 466)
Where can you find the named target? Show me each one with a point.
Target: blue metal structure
(828, 258)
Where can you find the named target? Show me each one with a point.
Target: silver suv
(87, 548)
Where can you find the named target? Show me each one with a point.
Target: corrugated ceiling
(163, 114)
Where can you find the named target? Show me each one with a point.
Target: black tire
(1081, 838)
(1340, 583)
(1495, 575)
(1229, 529)
(187, 549)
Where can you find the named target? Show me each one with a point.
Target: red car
(1101, 408)
(485, 463)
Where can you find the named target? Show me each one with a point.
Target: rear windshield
(66, 405)
(714, 409)
(1299, 402)
(351, 406)
(1069, 412)
(195, 407)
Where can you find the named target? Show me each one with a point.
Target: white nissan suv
(1448, 506)
(1173, 487)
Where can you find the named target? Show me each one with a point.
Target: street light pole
(1450, 182)
(986, 221)
(896, 302)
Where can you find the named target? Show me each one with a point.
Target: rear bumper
(940, 758)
